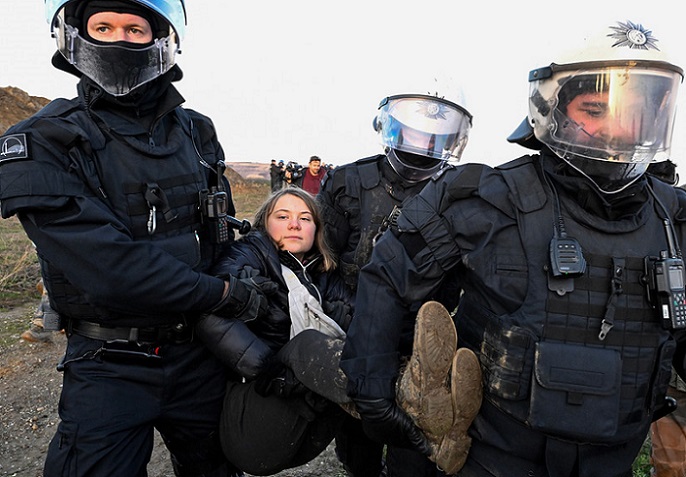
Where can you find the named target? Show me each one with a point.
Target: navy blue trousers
(110, 408)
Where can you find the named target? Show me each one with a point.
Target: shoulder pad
(33, 158)
(364, 160)
(514, 183)
(202, 124)
(368, 169)
(524, 184)
(463, 180)
(673, 198)
(59, 126)
(353, 175)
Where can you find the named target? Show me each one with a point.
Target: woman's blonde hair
(320, 245)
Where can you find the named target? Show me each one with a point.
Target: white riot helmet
(118, 68)
(423, 129)
(610, 111)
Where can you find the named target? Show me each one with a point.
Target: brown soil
(29, 393)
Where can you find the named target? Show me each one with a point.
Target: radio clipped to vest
(666, 290)
(566, 257)
(665, 278)
(214, 205)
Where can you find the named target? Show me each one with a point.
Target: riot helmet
(118, 67)
(423, 130)
(609, 112)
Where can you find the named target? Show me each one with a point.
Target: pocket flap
(577, 369)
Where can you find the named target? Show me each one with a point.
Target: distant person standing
(311, 179)
(275, 175)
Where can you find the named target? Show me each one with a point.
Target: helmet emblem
(633, 35)
(432, 109)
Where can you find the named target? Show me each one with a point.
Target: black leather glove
(340, 312)
(278, 380)
(266, 286)
(244, 301)
(384, 421)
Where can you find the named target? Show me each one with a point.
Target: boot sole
(424, 391)
(467, 394)
(436, 341)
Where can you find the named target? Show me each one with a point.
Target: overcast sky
(291, 79)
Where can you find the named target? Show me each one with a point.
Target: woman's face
(291, 225)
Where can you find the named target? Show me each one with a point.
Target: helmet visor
(424, 125)
(116, 68)
(616, 113)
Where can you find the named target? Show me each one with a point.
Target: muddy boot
(424, 388)
(467, 392)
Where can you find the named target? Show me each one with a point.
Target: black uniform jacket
(57, 185)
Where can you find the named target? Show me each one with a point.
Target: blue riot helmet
(608, 109)
(118, 67)
(423, 130)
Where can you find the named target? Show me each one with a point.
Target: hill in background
(250, 170)
(16, 105)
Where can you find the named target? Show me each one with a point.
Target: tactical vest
(377, 195)
(546, 363)
(153, 190)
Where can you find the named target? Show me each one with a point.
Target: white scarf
(306, 311)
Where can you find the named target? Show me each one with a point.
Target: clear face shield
(424, 125)
(608, 122)
(116, 68)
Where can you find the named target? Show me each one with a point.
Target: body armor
(582, 359)
(154, 191)
(370, 190)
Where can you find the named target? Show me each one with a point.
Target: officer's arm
(98, 256)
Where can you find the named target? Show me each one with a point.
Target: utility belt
(139, 346)
(176, 333)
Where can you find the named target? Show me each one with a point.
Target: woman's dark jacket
(247, 347)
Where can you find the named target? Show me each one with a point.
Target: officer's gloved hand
(266, 286)
(340, 312)
(244, 300)
(384, 421)
(278, 380)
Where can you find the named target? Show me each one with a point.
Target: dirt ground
(29, 393)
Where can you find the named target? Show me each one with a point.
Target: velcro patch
(13, 147)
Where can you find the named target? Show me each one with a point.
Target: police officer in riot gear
(422, 130)
(122, 191)
(421, 133)
(571, 269)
